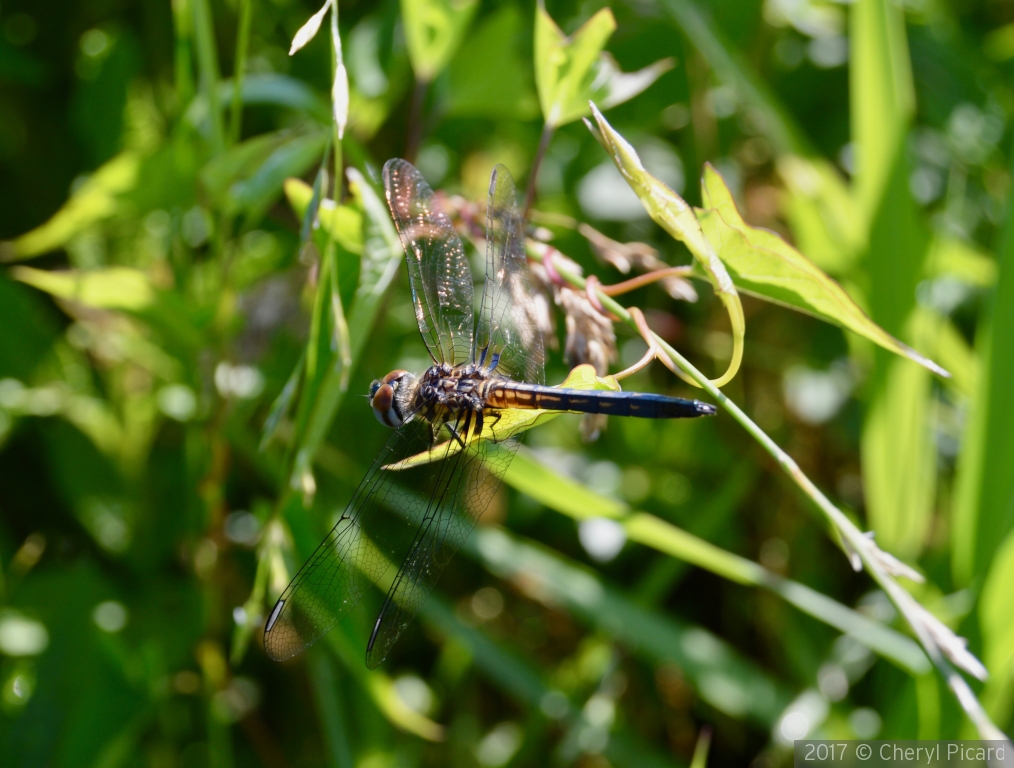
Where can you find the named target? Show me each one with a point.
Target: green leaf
(882, 96)
(571, 71)
(565, 67)
(763, 264)
(822, 212)
(344, 222)
(96, 200)
(489, 77)
(280, 407)
(109, 288)
(950, 257)
(984, 492)
(725, 680)
(29, 330)
(255, 193)
(677, 218)
(996, 607)
(381, 255)
(433, 31)
(568, 497)
(899, 452)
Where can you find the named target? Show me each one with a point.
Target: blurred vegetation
(183, 322)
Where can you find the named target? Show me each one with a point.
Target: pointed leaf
(676, 217)
(433, 31)
(616, 87)
(763, 264)
(94, 201)
(109, 288)
(566, 68)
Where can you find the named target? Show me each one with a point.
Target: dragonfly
(460, 414)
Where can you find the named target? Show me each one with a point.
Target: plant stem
(856, 540)
(238, 70)
(207, 66)
(415, 118)
(547, 135)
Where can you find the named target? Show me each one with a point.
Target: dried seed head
(639, 256)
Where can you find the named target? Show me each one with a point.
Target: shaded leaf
(488, 77)
(763, 264)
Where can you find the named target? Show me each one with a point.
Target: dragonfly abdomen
(639, 404)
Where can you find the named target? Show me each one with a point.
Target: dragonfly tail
(638, 404)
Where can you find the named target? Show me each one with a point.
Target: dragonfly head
(387, 406)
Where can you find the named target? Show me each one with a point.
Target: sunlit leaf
(996, 607)
(93, 202)
(108, 288)
(565, 67)
(512, 421)
(677, 218)
(984, 492)
(433, 31)
(763, 264)
(950, 257)
(345, 222)
(613, 87)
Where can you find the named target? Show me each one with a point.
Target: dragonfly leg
(498, 416)
(455, 435)
(478, 421)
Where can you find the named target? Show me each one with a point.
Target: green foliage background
(153, 501)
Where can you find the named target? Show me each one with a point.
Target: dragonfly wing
(508, 320)
(468, 481)
(355, 554)
(437, 266)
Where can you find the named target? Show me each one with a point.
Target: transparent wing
(468, 481)
(437, 267)
(508, 325)
(376, 528)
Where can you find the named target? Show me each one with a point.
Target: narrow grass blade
(984, 507)
(570, 498)
(724, 679)
(331, 710)
(512, 673)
